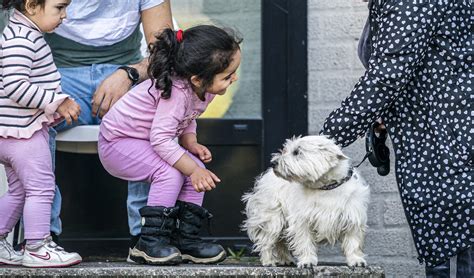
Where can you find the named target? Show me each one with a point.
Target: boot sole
(142, 258)
(217, 259)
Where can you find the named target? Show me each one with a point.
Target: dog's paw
(356, 261)
(269, 263)
(307, 263)
(285, 263)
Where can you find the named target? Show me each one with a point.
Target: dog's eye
(296, 152)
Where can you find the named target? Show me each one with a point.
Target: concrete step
(227, 269)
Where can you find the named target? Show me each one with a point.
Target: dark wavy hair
(19, 4)
(205, 51)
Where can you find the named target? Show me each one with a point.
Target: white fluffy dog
(311, 195)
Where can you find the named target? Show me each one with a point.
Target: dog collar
(338, 183)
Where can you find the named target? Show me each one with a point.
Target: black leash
(363, 159)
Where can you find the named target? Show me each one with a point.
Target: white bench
(79, 139)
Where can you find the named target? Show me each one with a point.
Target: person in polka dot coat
(419, 59)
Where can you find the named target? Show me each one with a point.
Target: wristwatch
(132, 74)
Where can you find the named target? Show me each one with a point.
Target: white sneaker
(48, 254)
(8, 255)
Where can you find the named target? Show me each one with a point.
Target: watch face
(133, 74)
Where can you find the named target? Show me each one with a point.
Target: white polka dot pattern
(419, 82)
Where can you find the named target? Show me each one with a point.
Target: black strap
(338, 183)
(363, 159)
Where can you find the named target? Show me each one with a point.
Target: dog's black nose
(273, 164)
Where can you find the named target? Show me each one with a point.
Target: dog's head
(306, 160)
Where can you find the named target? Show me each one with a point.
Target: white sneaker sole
(6, 262)
(47, 265)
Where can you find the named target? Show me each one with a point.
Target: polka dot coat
(419, 81)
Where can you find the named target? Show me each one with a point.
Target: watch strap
(130, 74)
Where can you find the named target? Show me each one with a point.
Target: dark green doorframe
(284, 72)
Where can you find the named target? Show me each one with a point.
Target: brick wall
(334, 27)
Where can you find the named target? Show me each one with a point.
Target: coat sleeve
(404, 29)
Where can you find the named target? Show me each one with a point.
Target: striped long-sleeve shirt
(30, 90)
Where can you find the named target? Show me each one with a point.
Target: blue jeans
(461, 265)
(80, 83)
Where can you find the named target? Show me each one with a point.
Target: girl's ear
(196, 81)
(30, 6)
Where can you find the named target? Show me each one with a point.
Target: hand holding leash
(378, 153)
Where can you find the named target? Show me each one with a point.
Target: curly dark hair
(205, 51)
(19, 4)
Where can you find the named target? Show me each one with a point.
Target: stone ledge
(119, 269)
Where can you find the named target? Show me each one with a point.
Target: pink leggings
(134, 159)
(30, 184)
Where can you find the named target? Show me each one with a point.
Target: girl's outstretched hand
(201, 151)
(203, 179)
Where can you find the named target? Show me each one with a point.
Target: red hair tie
(179, 35)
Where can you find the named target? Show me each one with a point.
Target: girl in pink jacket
(150, 135)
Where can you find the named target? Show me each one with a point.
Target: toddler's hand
(69, 110)
(201, 151)
(203, 179)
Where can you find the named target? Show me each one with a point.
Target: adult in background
(3, 19)
(97, 52)
(419, 60)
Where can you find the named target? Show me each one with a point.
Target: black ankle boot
(186, 238)
(153, 247)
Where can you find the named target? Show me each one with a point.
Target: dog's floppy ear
(331, 147)
(335, 151)
(329, 156)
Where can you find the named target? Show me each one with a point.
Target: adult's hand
(381, 127)
(116, 85)
(109, 92)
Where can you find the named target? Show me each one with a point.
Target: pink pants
(31, 184)
(134, 159)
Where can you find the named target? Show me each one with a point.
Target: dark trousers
(460, 266)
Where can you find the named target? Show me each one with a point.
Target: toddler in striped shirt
(30, 101)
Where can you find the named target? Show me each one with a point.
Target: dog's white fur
(287, 213)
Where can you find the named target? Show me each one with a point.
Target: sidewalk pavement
(122, 269)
